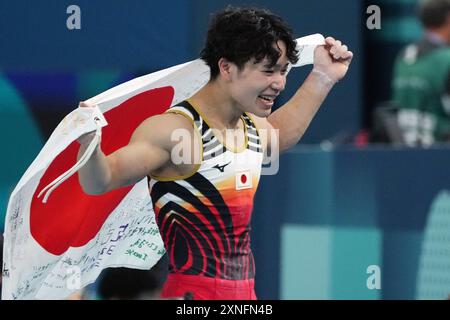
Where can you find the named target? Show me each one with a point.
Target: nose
(279, 82)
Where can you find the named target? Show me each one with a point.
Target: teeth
(266, 98)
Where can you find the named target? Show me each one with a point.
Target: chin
(258, 110)
(263, 113)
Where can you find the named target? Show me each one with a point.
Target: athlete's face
(255, 87)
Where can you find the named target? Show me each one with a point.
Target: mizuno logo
(221, 168)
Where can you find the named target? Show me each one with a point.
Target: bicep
(134, 162)
(287, 128)
(145, 153)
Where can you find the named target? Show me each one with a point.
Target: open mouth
(267, 98)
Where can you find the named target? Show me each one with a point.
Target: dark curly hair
(240, 34)
(433, 13)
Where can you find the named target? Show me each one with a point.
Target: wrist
(323, 78)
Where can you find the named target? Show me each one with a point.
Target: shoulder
(161, 128)
(260, 123)
(166, 122)
(266, 131)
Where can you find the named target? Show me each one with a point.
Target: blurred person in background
(421, 79)
(128, 284)
(132, 284)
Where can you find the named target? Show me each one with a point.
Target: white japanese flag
(57, 238)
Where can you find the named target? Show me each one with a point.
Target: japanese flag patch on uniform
(243, 180)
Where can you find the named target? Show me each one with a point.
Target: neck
(442, 33)
(217, 106)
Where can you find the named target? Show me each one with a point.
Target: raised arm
(331, 63)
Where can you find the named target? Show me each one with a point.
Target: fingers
(348, 55)
(338, 50)
(329, 41)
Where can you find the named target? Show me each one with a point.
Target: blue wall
(328, 215)
(135, 34)
(145, 36)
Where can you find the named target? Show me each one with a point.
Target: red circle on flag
(243, 178)
(71, 218)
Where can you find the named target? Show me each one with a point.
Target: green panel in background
(305, 262)
(354, 250)
(433, 280)
(309, 194)
(405, 29)
(398, 21)
(401, 253)
(354, 190)
(328, 263)
(21, 141)
(92, 83)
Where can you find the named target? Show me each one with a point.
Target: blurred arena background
(342, 201)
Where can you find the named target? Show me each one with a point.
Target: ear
(226, 68)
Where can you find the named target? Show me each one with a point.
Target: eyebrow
(277, 66)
